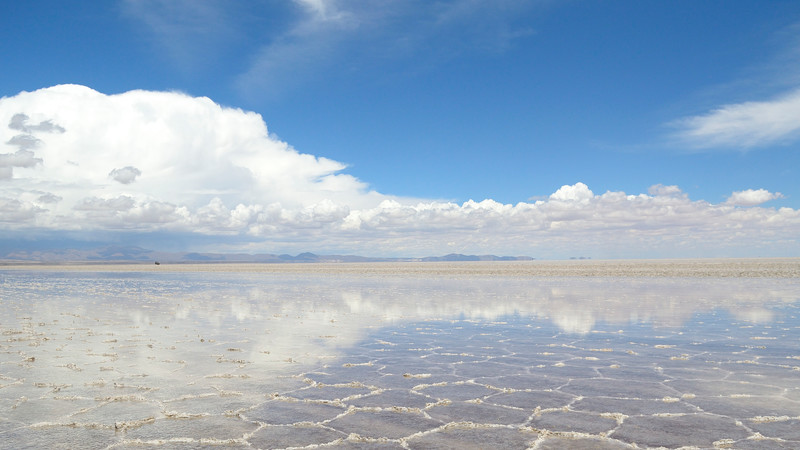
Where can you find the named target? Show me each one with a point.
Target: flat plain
(567, 354)
(710, 267)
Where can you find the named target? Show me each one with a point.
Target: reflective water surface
(195, 360)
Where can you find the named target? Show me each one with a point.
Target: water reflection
(307, 319)
(131, 352)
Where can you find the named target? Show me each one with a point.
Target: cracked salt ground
(182, 360)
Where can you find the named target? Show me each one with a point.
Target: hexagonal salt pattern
(132, 360)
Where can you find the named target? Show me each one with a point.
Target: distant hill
(138, 254)
(460, 257)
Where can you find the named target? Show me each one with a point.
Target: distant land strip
(679, 268)
(134, 254)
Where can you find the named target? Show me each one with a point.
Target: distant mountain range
(138, 254)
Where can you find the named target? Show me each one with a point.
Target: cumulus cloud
(20, 158)
(752, 197)
(14, 211)
(575, 193)
(216, 171)
(24, 141)
(190, 148)
(126, 175)
(121, 203)
(49, 197)
(744, 125)
(20, 122)
(665, 191)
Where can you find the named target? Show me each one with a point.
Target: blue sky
(406, 107)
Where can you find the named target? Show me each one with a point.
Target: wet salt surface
(277, 360)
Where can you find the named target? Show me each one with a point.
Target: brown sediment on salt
(90, 425)
(73, 367)
(14, 383)
(130, 424)
(19, 402)
(70, 397)
(417, 375)
(442, 402)
(366, 364)
(122, 398)
(153, 442)
(768, 419)
(619, 417)
(55, 387)
(183, 415)
(222, 442)
(192, 396)
(138, 375)
(240, 362)
(137, 387)
(572, 435)
(226, 393)
(227, 375)
(401, 409)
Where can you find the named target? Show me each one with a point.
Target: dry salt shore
(587, 354)
(693, 268)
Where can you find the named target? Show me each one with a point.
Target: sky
(549, 128)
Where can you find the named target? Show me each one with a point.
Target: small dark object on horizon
(158, 263)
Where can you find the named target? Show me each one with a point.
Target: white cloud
(13, 211)
(744, 125)
(204, 170)
(575, 193)
(665, 191)
(190, 149)
(121, 203)
(48, 198)
(752, 197)
(323, 9)
(329, 32)
(126, 175)
(301, 40)
(20, 122)
(20, 158)
(189, 33)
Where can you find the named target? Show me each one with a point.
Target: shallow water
(277, 360)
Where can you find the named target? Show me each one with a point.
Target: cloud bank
(76, 160)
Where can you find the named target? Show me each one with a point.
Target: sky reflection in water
(275, 361)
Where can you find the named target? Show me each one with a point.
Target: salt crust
(694, 268)
(462, 381)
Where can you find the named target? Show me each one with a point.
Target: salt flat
(711, 267)
(653, 354)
